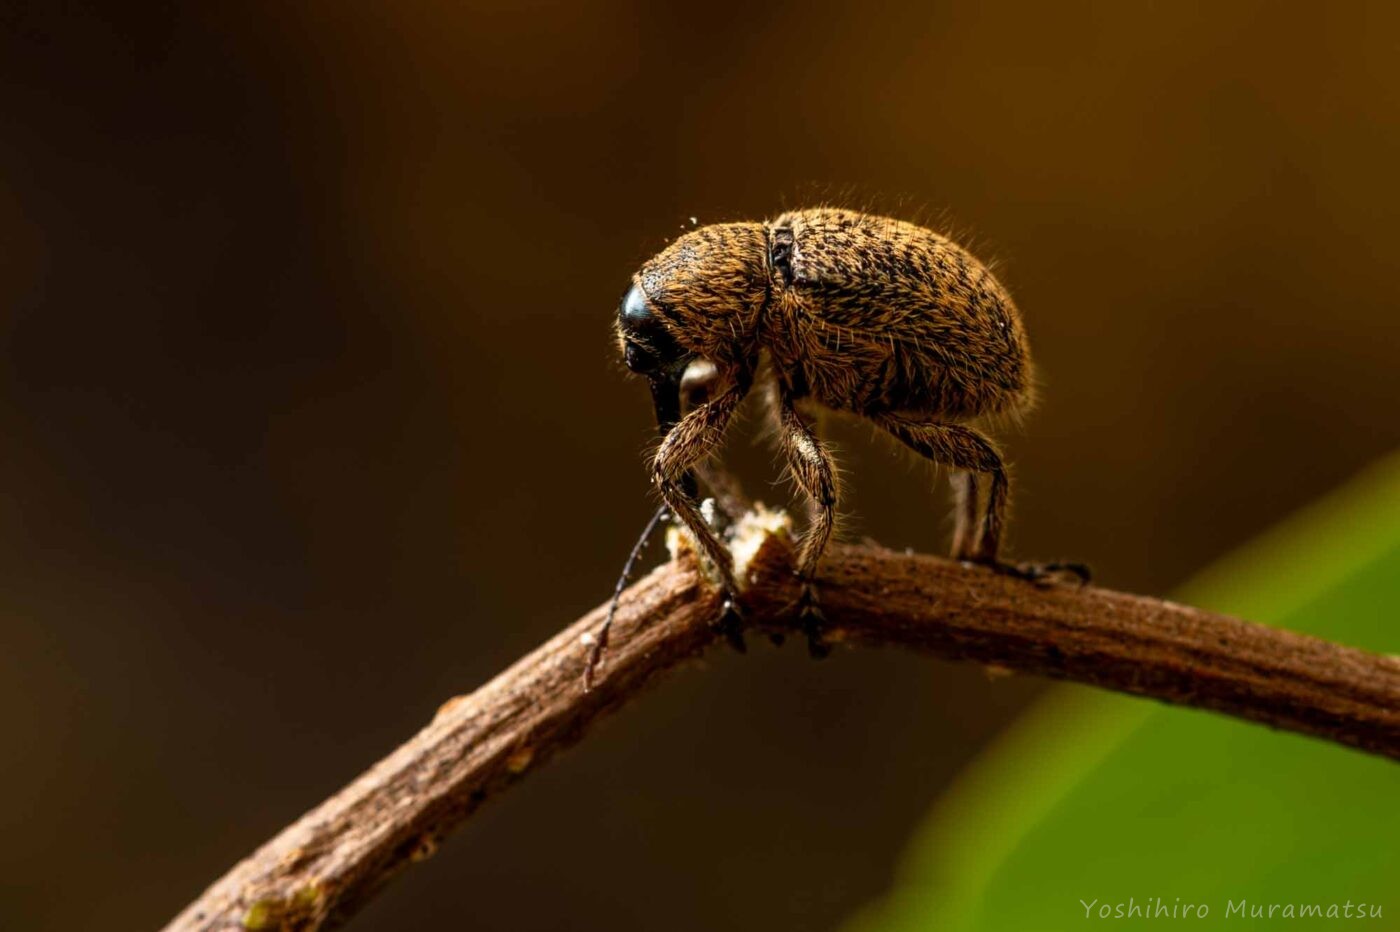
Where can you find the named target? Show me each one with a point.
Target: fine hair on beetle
(834, 309)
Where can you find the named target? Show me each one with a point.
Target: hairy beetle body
(878, 315)
(858, 313)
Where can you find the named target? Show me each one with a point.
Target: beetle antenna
(600, 640)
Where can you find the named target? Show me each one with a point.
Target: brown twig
(320, 869)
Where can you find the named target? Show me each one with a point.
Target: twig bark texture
(320, 869)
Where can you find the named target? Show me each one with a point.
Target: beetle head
(649, 349)
(700, 297)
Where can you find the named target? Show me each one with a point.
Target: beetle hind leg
(973, 455)
(977, 532)
(965, 509)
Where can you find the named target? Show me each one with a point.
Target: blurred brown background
(312, 418)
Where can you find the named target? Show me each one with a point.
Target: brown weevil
(856, 313)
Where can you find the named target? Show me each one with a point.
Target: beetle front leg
(687, 445)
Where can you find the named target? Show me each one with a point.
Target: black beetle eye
(637, 358)
(634, 311)
(647, 346)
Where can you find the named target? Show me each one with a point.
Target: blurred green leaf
(1098, 797)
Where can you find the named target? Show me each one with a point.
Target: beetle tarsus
(731, 624)
(813, 622)
(1042, 574)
